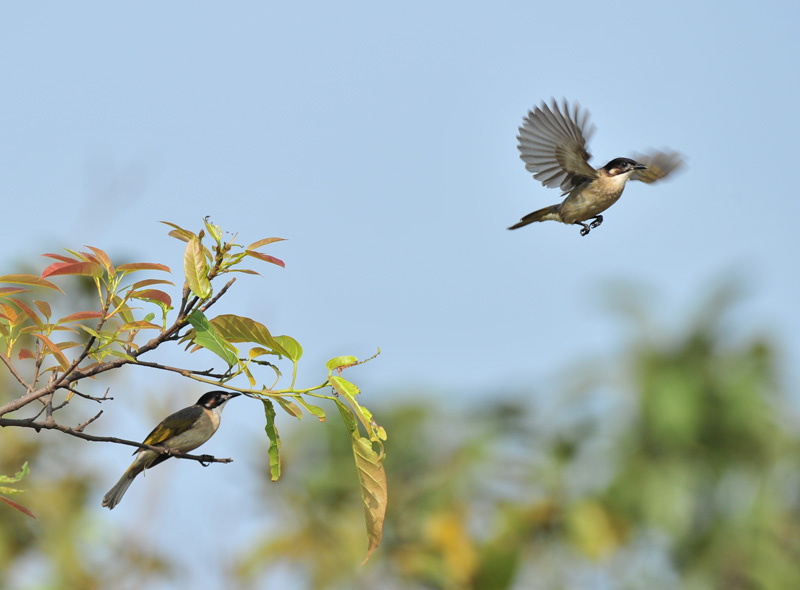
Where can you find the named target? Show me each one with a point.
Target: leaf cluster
(50, 357)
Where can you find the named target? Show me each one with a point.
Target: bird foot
(584, 228)
(597, 221)
(206, 460)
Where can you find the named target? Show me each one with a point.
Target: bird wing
(172, 425)
(552, 143)
(659, 164)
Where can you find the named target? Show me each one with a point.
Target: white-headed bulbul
(183, 431)
(552, 143)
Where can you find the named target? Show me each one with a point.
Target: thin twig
(14, 372)
(184, 372)
(91, 397)
(214, 299)
(80, 427)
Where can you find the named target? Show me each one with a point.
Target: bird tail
(544, 214)
(114, 495)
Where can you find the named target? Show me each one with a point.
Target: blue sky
(380, 140)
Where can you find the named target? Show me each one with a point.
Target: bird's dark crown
(212, 399)
(622, 165)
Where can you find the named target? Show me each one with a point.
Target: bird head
(215, 399)
(619, 166)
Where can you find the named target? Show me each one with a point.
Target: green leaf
(122, 309)
(207, 337)
(23, 471)
(274, 441)
(183, 235)
(345, 388)
(347, 415)
(341, 361)
(293, 349)
(235, 328)
(213, 230)
(372, 477)
(312, 409)
(120, 354)
(290, 407)
(374, 490)
(140, 325)
(348, 391)
(195, 268)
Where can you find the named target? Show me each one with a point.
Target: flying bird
(552, 143)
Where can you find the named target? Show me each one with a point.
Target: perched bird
(552, 143)
(183, 431)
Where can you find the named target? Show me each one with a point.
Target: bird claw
(206, 460)
(584, 228)
(597, 221)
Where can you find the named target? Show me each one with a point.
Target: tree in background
(674, 467)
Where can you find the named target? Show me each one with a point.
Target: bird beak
(640, 167)
(231, 394)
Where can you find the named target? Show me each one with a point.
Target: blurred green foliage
(673, 464)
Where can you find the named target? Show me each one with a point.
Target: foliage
(6, 490)
(674, 467)
(52, 357)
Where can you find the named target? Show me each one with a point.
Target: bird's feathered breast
(174, 425)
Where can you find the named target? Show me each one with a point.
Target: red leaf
(153, 295)
(16, 506)
(263, 242)
(61, 257)
(6, 291)
(29, 312)
(44, 307)
(103, 259)
(90, 269)
(29, 280)
(60, 357)
(143, 266)
(81, 315)
(266, 258)
(148, 282)
(9, 313)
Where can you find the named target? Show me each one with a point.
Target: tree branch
(15, 373)
(76, 432)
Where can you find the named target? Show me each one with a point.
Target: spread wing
(659, 164)
(172, 425)
(552, 143)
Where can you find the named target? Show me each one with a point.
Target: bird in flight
(552, 143)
